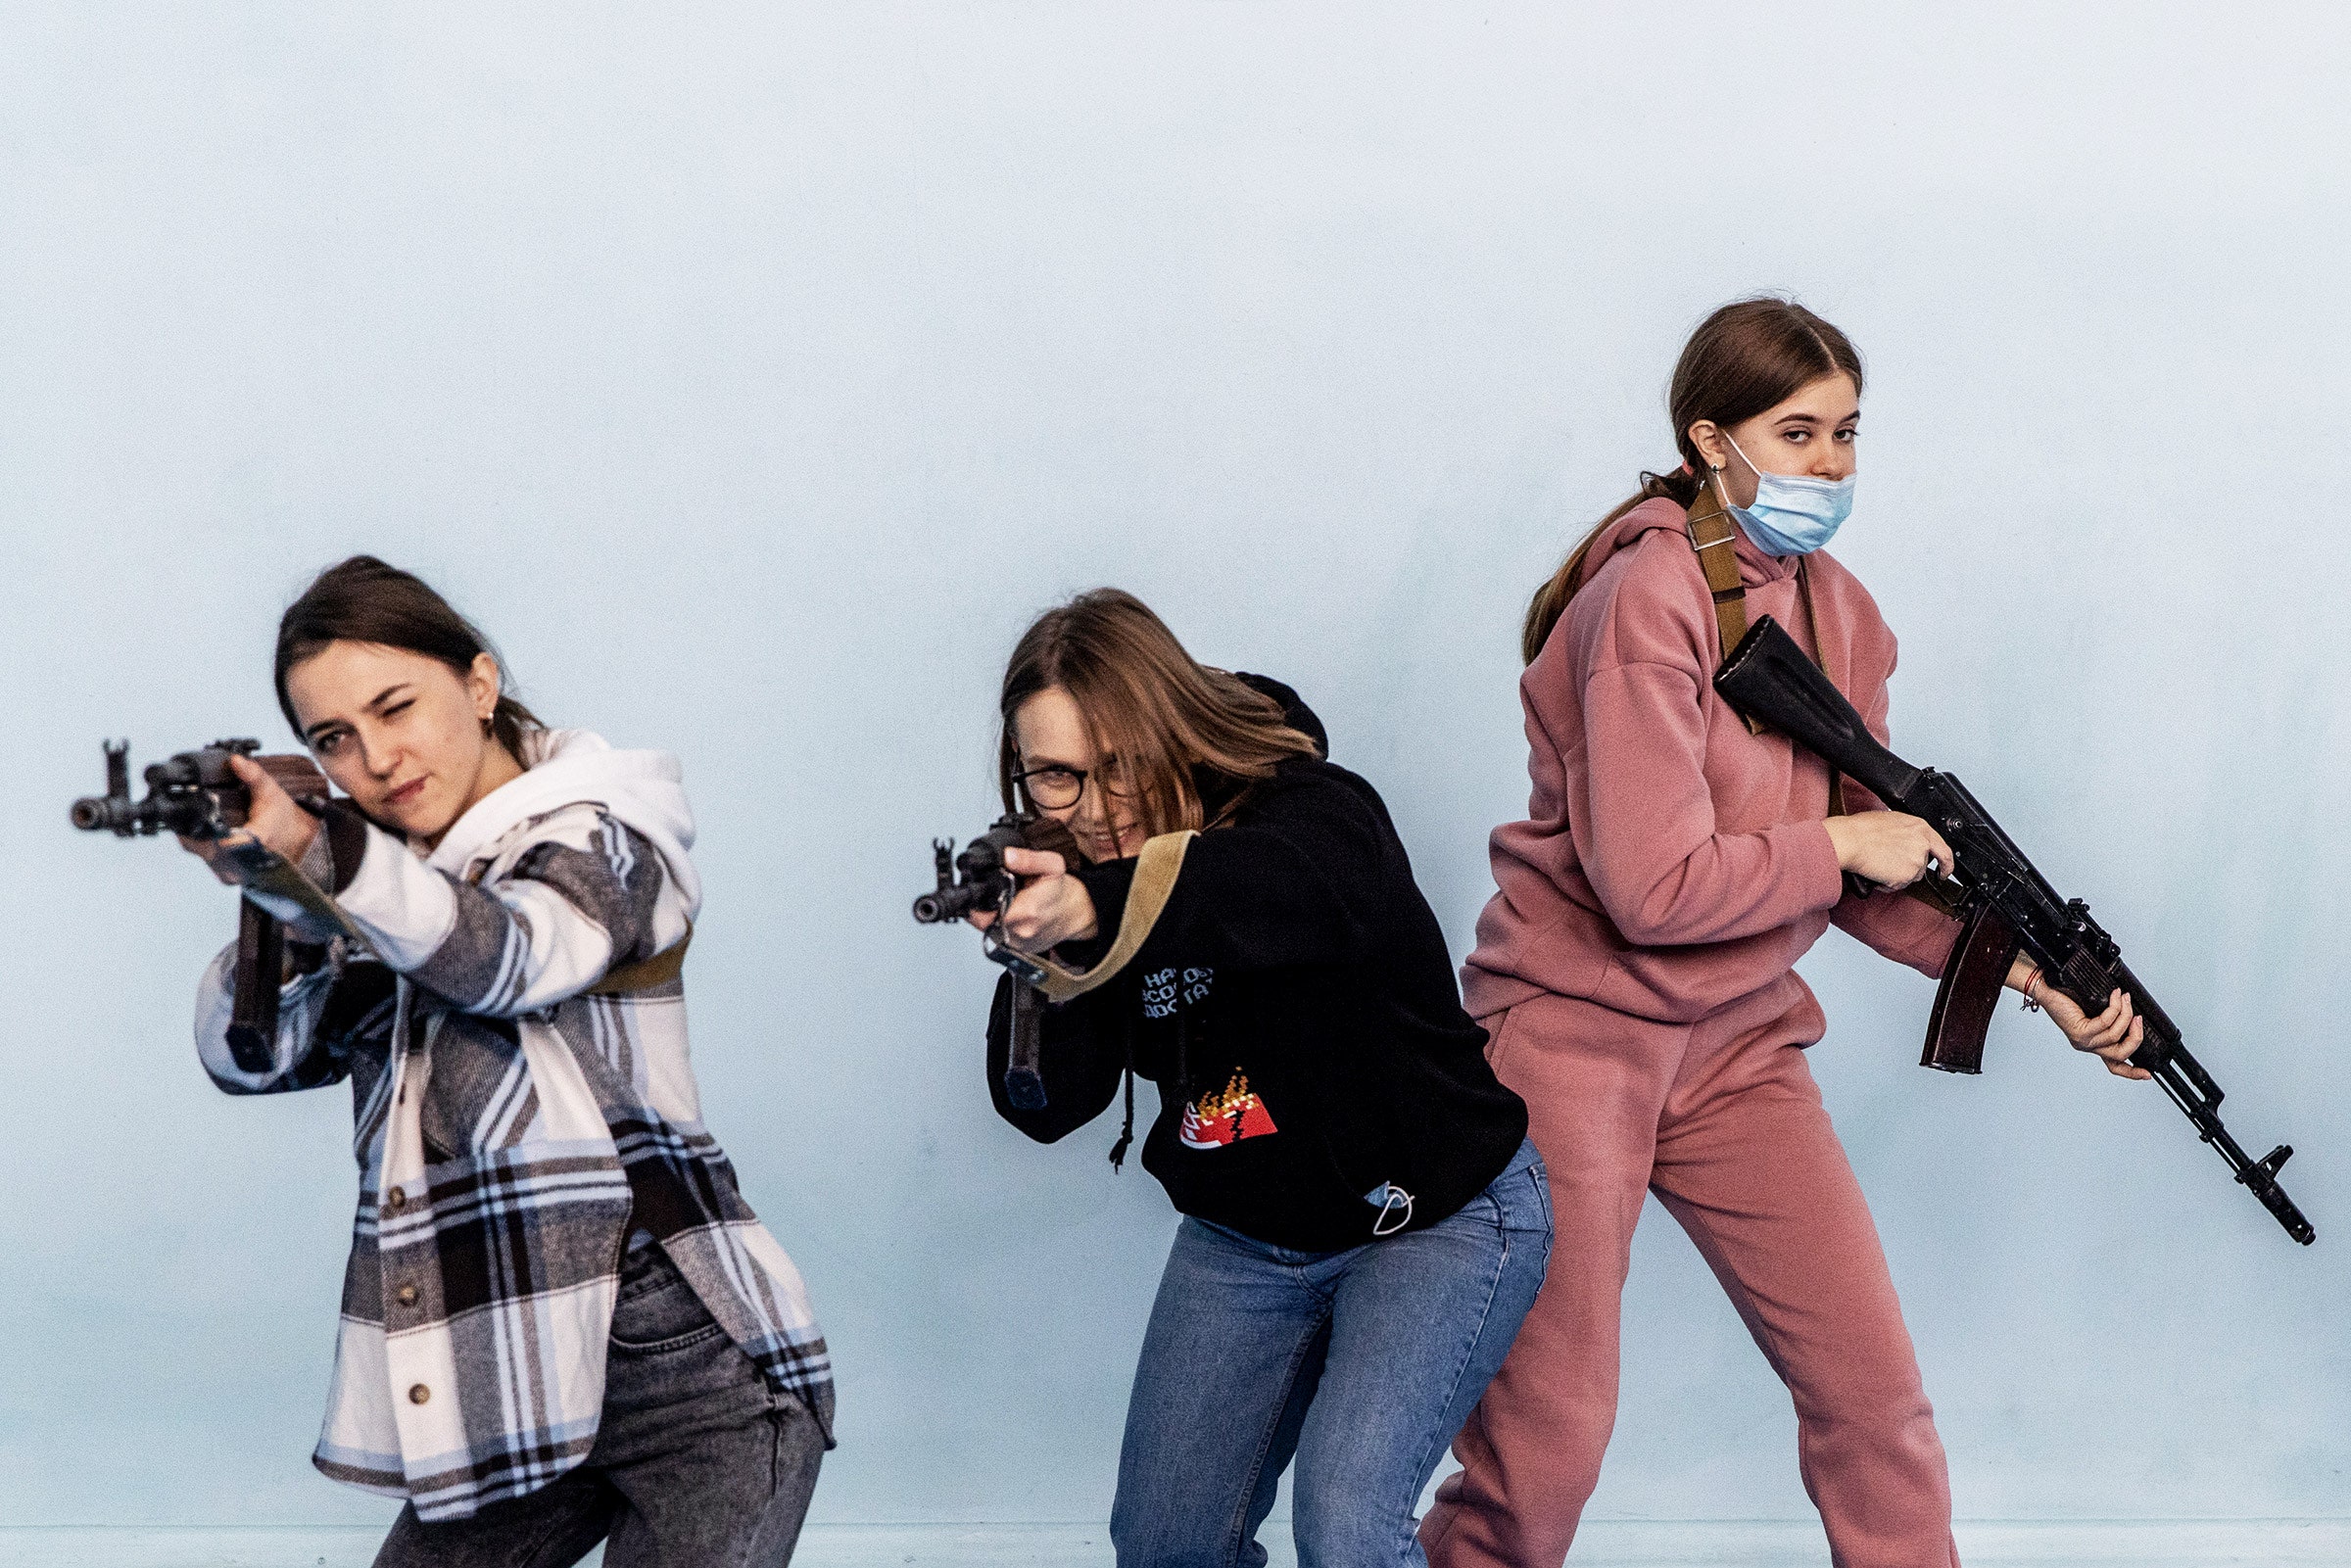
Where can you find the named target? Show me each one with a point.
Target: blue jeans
(1361, 1363)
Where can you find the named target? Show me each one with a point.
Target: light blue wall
(755, 372)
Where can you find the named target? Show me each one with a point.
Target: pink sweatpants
(1721, 1120)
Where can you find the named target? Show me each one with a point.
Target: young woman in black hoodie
(1366, 1223)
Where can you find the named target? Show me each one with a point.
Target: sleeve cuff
(1933, 953)
(1903, 929)
(1812, 859)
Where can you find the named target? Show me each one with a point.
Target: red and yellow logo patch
(1216, 1120)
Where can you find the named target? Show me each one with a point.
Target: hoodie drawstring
(1118, 1151)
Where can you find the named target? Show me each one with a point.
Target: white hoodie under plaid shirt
(512, 1129)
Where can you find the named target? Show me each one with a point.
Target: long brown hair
(1147, 703)
(1746, 357)
(363, 600)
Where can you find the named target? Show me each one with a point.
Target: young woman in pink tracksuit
(1636, 971)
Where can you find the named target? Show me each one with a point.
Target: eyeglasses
(1054, 787)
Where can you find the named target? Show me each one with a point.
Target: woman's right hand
(1890, 848)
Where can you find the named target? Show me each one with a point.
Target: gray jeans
(697, 1459)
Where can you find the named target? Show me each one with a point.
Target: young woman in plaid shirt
(560, 1321)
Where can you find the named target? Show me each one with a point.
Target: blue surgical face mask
(1794, 515)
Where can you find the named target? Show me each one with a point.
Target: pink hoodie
(1671, 862)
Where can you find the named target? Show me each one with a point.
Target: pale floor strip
(1602, 1543)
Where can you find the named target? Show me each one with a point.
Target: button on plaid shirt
(513, 1127)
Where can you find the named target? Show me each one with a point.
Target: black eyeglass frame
(1021, 780)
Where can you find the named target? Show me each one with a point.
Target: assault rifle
(978, 880)
(197, 795)
(2004, 904)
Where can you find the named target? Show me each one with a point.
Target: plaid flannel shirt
(513, 1129)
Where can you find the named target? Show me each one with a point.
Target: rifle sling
(1155, 872)
(1803, 591)
(646, 974)
(1715, 538)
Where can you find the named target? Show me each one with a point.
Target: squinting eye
(395, 710)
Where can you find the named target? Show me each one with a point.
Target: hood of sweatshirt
(1755, 566)
(1294, 711)
(572, 767)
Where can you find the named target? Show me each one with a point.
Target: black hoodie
(1297, 1007)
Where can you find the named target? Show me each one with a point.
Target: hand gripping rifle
(197, 795)
(2005, 905)
(978, 880)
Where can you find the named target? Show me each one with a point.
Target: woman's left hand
(1052, 906)
(2111, 1036)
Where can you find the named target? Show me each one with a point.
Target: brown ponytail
(1746, 358)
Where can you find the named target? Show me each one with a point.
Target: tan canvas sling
(646, 974)
(1155, 872)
